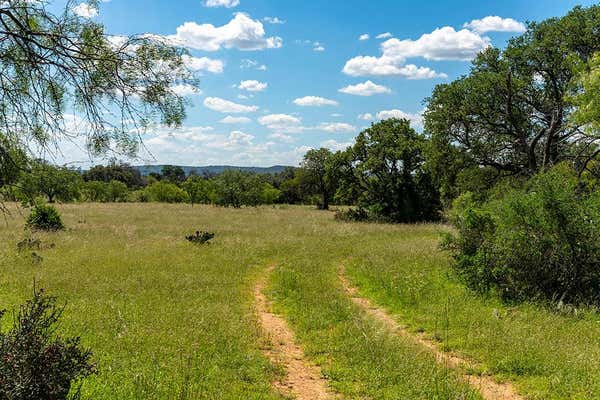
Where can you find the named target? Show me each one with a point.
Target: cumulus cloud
(317, 46)
(367, 88)
(237, 139)
(235, 120)
(186, 90)
(385, 35)
(364, 36)
(314, 101)
(203, 64)
(252, 86)
(282, 123)
(222, 3)
(334, 145)
(226, 106)
(415, 119)
(494, 23)
(282, 137)
(242, 33)
(442, 44)
(85, 10)
(336, 127)
(366, 117)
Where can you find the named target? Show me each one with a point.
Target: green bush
(44, 217)
(535, 243)
(34, 362)
(164, 192)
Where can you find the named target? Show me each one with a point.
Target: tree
(54, 183)
(57, 71)
(173, 174)
(389, 175)
(199, 189)
(115, 171)
(511, 112)
(587, 113)
(318, 175)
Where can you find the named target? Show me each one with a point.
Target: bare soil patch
(303, 380)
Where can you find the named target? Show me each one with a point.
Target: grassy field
(169, 320)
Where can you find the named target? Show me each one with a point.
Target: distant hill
(146, 170)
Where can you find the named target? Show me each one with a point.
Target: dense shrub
(44, 217)
(165, 192)
(353, 215)
(539, 242)
(34, 363)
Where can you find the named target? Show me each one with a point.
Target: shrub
(200, 237)
(44, 217)
(34, 363)
(539, 242)
(165, 192)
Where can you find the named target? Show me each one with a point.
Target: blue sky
(280, 77)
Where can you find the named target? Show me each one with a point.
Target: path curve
(303, 380)
(485, 385)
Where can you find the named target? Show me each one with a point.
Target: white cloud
(385, 35)
(252, 86)
(336, 115)
(274, 20)
(367, 88)
(366, 117)
(495, 24)
(385, 66)
(85, 10)
(442, 44)
(282, 123)
(319, 48)
(336, 127)
(185, 90)
(252, 64)
(237, 139)
(242, 32)
(222, 3)
(415, 119)
(226, 106)
(364, 36)
(203, 64)
(282, 137)
(235, 120)
(334, 145)
(314, 101)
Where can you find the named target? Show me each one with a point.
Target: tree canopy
(511, 112)
(63, 76)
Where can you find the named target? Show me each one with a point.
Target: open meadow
(170, 320)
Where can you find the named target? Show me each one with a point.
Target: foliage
(200, 190)
(114, 171)
(166, 193)
(34, 363)
(44, 217)
(200, 237)
(388, 174)
(317, 175)
(113, 191)
(511, 112)
(173, 174)
(237, 188)
(60, 68)
(54, 183)
(539, 242)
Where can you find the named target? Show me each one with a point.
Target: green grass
(549, 354)
(170, 320)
